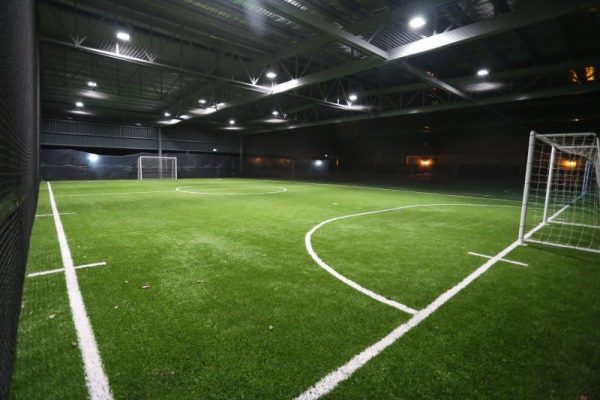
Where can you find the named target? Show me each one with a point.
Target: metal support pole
(241, 154)
(586, 177)
(160, 165)
(549, 182)
(526, 187)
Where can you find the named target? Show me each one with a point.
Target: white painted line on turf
(351, 283)
(329, 382)
(506, 260)
(54, 271)
(399, 190)
(96, 379)
(111, 193)
(51, 215)
(203, 191)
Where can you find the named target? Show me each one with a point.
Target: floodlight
(124, 36)
(92, 84)
(79, 103)
(271, 75)
(417, 22)
(275, 113)
(214, 150)
(318, 163)
(93, 157)
(202, 101)
(167, 114)
(184, 116)
(483, 72)
(353, 97)
(232, 122)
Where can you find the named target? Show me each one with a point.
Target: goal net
(561, 198)
(151, 167)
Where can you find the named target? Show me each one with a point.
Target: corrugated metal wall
(90, 134)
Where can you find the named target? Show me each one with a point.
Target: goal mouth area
(561, 196)
(156, 167)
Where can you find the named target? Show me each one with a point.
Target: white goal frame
(140, 162)
(561, 194)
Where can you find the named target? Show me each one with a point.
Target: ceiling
(204, 63)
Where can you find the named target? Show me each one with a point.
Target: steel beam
(295, 14)
(517, 97)
(532, 12)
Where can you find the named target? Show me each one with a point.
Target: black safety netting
(66, 164)
(18, 165)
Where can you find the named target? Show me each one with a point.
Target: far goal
(561, 198)
(153, 167)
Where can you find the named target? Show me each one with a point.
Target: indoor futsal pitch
(258, 289)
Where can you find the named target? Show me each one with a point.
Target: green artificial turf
(237, 309)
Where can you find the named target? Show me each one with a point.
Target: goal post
(157, 167)
(561, 195)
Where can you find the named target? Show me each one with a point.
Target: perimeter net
(561, 204)
(18, 166)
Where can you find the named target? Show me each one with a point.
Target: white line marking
(329, 382)
(50, 215)
(111, 193)
(351, 283)
(54, 271)
(398, 190)
(95, 378)
(202, 191)
(506, 260)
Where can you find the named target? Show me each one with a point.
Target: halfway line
(95, 378)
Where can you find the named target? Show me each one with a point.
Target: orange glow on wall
(573, 77)
(569, 164)
(590, 73)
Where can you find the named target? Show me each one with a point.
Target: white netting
(157, 167)
(563, 202)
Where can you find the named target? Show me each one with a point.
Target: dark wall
(381, 147)
(68, 164)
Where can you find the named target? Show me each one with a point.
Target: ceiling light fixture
(232, 122)
(202, 101)
(167, 114)
(353, 97)
(79, 103)
(124, 36)
(483, 72)
(417, 22)
(92, 84)
(271, 75)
